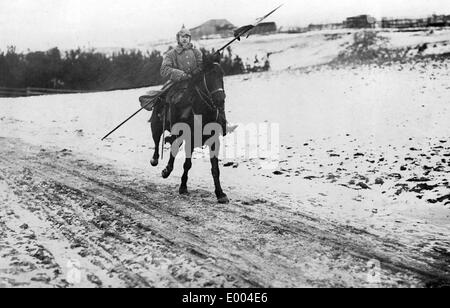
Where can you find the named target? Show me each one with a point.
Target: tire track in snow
(142, 234)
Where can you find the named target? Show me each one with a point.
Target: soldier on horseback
(207, 99)
(180, 65)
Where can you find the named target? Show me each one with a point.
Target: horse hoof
(166, 173)
(154, 162)
(183, 191)
(223, 199)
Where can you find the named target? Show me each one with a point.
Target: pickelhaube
(182, 32)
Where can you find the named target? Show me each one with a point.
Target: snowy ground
(363, 169)
(315, 47)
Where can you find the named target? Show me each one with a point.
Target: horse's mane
(211, 62)
(211, 69)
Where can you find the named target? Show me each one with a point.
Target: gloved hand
(186, 77)
(197, 74)
(196, 71)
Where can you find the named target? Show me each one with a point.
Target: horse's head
(213, 79)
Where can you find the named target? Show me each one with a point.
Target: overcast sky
(42, 24)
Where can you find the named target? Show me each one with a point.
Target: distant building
(338, 25)
(360, 22)
(439, 21)
(403, 23)
(331, 26)
(313, 27)
(265, 28)
(213, 28)
(293, 30)
(433, 21)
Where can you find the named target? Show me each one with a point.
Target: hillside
(320, 47)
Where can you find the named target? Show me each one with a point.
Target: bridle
(207, 97)
(206, 85)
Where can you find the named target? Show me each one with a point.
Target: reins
(207, 98)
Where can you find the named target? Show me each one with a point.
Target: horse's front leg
(221, 196)
(187, 166)
(169, 168)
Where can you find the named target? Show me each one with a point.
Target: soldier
(179, 65)
(183, 61)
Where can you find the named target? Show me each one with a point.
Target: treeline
(234, 65)
(79, 70)
(92, 70)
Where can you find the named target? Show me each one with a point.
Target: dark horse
(206, 95)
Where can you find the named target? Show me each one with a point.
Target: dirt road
(66, 221)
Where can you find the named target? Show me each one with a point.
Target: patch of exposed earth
(67, 221)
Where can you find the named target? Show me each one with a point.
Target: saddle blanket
(146, 100)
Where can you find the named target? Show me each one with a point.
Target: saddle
(146, 100)
(178, 98)
(177, 94)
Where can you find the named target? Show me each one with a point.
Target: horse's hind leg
(157, 131)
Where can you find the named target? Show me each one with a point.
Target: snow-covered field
(365, 148)
(316, 47)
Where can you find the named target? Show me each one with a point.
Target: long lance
(246, 29)
(237, 37)
(167, 86)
